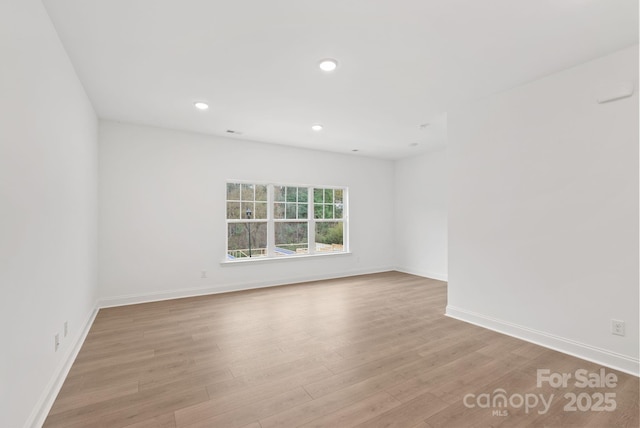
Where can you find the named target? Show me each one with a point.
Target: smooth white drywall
(421, 214)
(48, 186)
(162, 211)
(543, 209)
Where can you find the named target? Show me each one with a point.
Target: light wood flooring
(367, 351)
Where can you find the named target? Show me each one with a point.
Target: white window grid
(310, 220)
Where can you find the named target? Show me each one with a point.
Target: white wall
(48, 173)
(421, 214)
(543, 212)
(162, 198)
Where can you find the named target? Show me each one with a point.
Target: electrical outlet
(66, 328)
(617, 327)
(57, 342)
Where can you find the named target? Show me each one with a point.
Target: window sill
(278, 259)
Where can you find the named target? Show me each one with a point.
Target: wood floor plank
(369, 350)
(297, 373)
(253, 425)
(223, 402)
(356, 413)
(314, 409)
(358, 374)
(407, 414)
(129, 409)
(163, 421)
(431, 378)
(255, 410)
(334, 401)
(481, 371)
(190, 375)
(72, 401)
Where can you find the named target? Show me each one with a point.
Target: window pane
(261, 192)
(329, 236)
(261, 211)
(317, 211)
(278, 210)
(237, 236)
(328, 196)
(233, 210)
(247, 206)
(328, 211)
(291, 211)
(233, 191)
(302, 194)
(247, 192)
(303, 210)
(338, 210)
(338, 196)
(238, 244)
(278, 193)
(291, 238)
(317, 196)
(292, 194)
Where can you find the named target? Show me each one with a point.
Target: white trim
(275, 258)
(134, 299)
(616, 361)
(48, 396)
(426, 274)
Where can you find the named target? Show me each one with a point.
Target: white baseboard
(426, 274)
(133, 299)
(604, 357)
(43, 406)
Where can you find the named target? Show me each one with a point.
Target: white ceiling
(402, 63)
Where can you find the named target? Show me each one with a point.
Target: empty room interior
(323, 214)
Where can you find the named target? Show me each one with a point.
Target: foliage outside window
(273, 220)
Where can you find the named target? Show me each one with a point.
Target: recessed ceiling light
(355, 150)
(413, 145)
(317, 127)
(424, 126)
(328, 64)
(201, 105)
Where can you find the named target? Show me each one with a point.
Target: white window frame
(271, 221)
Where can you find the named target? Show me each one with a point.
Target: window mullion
(345, 219)
(271, 236)
(311, 228)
